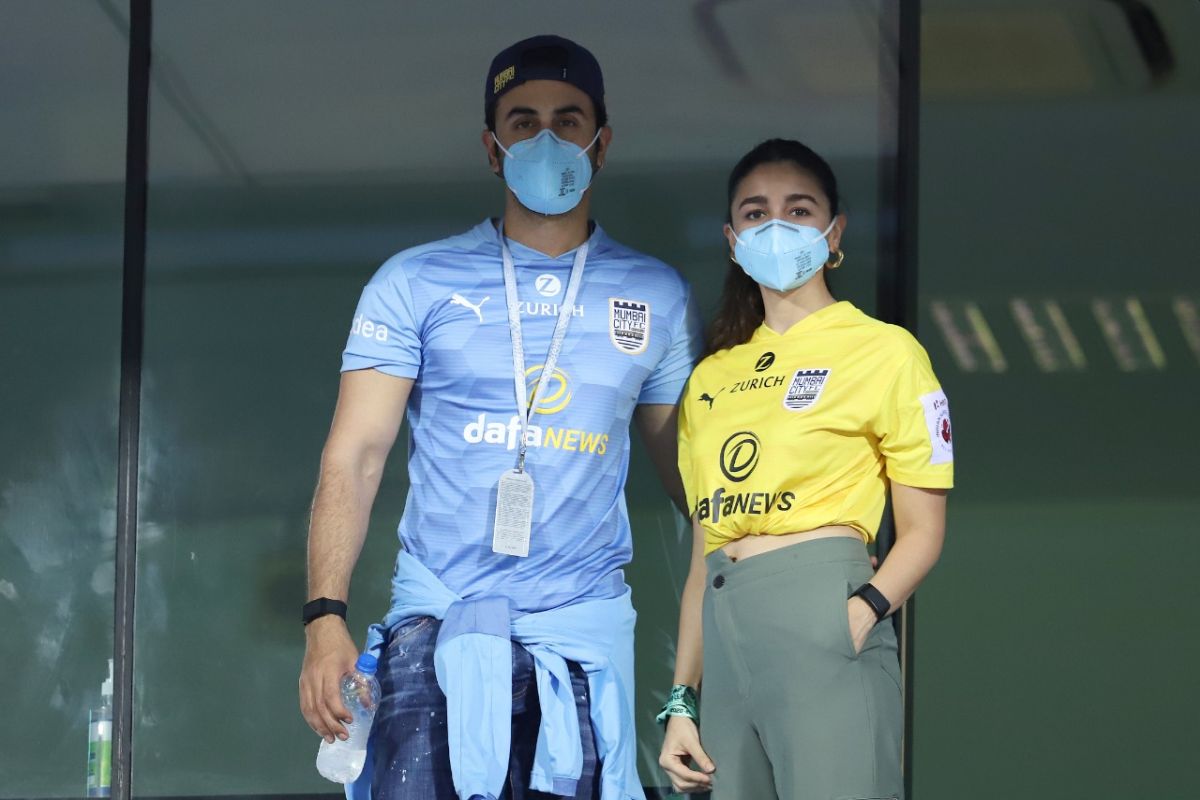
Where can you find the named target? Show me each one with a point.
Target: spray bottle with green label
(99, 764)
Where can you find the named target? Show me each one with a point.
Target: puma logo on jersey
(710, 399)
(458, 300)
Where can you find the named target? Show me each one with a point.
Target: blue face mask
(547, 174)
(782, 255)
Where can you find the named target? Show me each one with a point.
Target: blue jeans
(412, 752)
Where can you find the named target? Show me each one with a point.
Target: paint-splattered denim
(412, 758)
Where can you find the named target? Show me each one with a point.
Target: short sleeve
(385, 333)
(915, 435)
(685, 456)
(666, 382)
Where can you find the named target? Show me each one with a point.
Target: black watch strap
(322, 606)
(875, 599)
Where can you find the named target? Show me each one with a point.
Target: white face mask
(782, 255)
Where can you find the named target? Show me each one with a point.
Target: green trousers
(788, 709)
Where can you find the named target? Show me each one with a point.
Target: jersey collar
(527, 255)
(822, 318)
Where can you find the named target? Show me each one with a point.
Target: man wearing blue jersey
(521, 349)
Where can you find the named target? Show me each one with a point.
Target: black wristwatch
(875, 599)
(322, 606)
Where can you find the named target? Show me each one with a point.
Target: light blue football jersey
(436, 313)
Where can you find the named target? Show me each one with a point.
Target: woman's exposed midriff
(756, 544)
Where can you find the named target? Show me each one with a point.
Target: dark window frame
(896, 302)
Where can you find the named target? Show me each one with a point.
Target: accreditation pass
(514, 514)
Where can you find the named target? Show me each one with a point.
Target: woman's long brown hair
(740, 311)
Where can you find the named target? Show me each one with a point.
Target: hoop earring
(841, 256)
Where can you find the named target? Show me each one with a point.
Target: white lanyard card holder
(514, 514)
(513, 525)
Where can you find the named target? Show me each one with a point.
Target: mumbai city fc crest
(805, 389)
(629, 325)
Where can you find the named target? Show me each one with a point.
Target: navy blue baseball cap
(545, 57)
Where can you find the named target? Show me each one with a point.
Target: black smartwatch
(322, 606)
(875, 599)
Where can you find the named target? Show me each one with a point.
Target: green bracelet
(681, 703)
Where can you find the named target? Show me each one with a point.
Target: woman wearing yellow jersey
(791, 433)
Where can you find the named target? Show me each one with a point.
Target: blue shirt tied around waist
(473, 663)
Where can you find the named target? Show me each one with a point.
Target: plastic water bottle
(342, 761)
(99, 761)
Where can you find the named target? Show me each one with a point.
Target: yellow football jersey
(789, 432)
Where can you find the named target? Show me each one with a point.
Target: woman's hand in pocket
(681, 746)
(862, 620)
